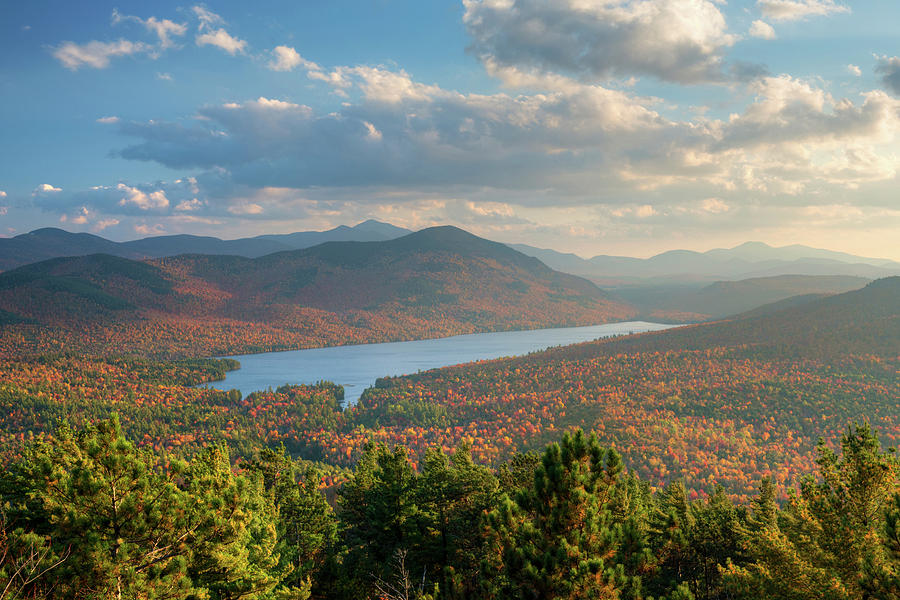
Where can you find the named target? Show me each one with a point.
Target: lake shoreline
(357, 366)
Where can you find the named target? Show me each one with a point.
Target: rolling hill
(724, 403)
(43, 244)
(436, 282)
(864, 321)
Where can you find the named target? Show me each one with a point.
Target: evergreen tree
(306, 524)
(120, 519)
(378, 514)
(558, 539)
(825, 541)
(452, 494)
(235, 544)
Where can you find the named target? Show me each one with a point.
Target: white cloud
(189, 205)
(162, 28)
(208, 36)
(108, 120)
(80, 217)
(286, 59)
(249, 208)
(95, 54)
(714, 206)
(854, 70)
(164, 76)
(223, 40)
(45, 188)
(207, 18)
(794, 10)
(155, 200)
(145, 229)
(762, 30)
(2, 194)
(675, 40)
(104, 224)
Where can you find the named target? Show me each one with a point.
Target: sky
(624, 127)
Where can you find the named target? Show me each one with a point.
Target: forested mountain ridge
(866, 321)
(435, 282)
(50, 242)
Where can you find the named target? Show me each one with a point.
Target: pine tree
(825, 543)
(452, 494)
(120, 517)
(234, 550)
(306, 524)
(378, 513)
(558, 539)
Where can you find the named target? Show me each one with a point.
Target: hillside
(435, 282)
(47, 243)
(720, 403)
(693, 302)
(864, 321)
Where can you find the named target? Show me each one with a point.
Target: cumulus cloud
(675, 40)
(164, 29)
(104, 224)
(209, 35)
(575, 139)
(95, 54)
(46, 188)
(285, 58)
(154, 200)
(854, 70)
(222, 39)
(795, 10)
(188, 205)
(79, 217)
(889, 69)
(149, 229)
(2, 194)
(762, 30)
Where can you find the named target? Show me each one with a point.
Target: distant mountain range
(749, 260)
(693, 302)
(43, 244)
(435, 282)
(675, 286)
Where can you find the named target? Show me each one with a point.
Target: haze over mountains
(42, 244)
(435, 282)
(748, 260)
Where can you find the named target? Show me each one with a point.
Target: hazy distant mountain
(752, 259)
(864, 321)
(697, 302)
(43, 244)
(437, 281)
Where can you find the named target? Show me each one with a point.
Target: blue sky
(593, 126)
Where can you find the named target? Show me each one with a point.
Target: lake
(357, 367)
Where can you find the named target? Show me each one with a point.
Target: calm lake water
(357, 367)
